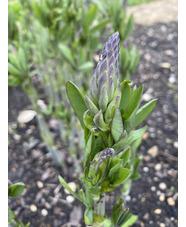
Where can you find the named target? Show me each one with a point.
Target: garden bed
(154, 197)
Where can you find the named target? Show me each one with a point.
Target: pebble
(153, 188)
(26, 116)
(169, 52)
(162, 225)
(146, 216)
(33, 208)
(39, 184)
(72, 185)
(162, 186)
(147, 97)
(157, 211)
(172, 79)
(17, 137)
(145, 135)
(128, 198)
(175, 144)
(153, 151)
(145, 169)
(165, 65)
(44, 212)
(70, 199)
(157, 167)
(170, 201)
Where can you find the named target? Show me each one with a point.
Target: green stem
(99, 211)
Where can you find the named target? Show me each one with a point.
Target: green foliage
(77, 100)
(15, 189)
(111, 142)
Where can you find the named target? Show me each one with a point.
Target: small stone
(147, 97)
(153, 44)
(147, 57)
(153, 151)
(172, 79)
(146, 216)
(39, 184)
(153, 188)
(162, 186)
(145, 135)
(162, 225)
(175, 144)
(170, 201)
(145, 169)
(157, 167)
(44, 212)
(169, 52)
(157, 211)
(17, 137)
(128, 198)
(72, 185)
(70, 199)
(13, 169)
(163, 28)
(33, 208)
(26, 115)
(172, 218)
(165, 65)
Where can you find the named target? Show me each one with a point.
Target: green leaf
(89, 17)
(131, 221)
(66, 52)
(16, 189)
(117, 124)
(133, 102)
(136, 134)
(125, 94)
(115, 168)
(88, 216)
(14, 71)
(86, 67)
(125, 155)
(143, 112)
(77, 100)
(65, 185)
(88, 121)
(129, 27)
(99, 26)
(120, 176)
(89, 148)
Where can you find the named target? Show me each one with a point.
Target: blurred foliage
(13, 191)
(137, 2)
(52, 41)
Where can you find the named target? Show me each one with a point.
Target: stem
(99, 211)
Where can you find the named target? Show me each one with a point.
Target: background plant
(53, 41)
(109, 116)
(13, 191)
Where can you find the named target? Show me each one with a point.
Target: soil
(154, 197)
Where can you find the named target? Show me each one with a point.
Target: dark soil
(154, 197)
